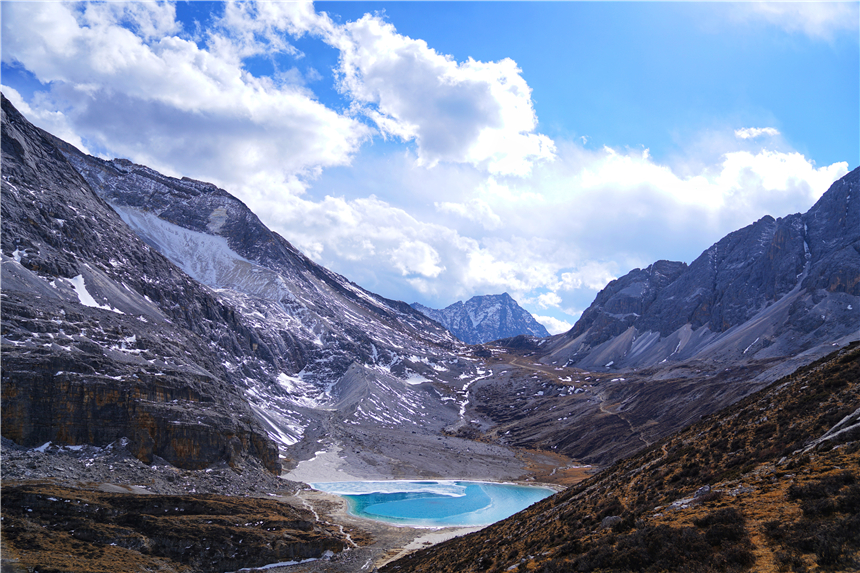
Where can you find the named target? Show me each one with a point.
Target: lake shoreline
(435, 503)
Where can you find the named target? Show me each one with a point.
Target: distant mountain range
(485, 318)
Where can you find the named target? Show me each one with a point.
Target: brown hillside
(771, 483)
(49, 528)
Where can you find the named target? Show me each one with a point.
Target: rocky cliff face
(102, 337)
(484, 318)
(775, 288)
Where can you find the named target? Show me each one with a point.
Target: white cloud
(475, 210)
(503, 209)
(54, 122)
(548, 299)
(472, 112)
(416, 257)
(818, 20)
(753, 132)
(592, 275)
(587, 218)
(127, 82)
(552, 324)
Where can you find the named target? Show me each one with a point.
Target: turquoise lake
(435, 503)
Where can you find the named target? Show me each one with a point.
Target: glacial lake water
(435, 503)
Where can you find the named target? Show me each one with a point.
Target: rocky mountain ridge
(156, 293)
(662, 346)
(775, 288)
(485, 318)
(318, 334)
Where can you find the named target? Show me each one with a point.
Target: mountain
(125, 287)
(104, 338)
(663, 346)
(775, 288)
(164, 303)
(322, 342)
(484, 318)
(769, 484)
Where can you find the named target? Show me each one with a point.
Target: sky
(434, 151)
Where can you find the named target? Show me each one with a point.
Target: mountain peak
(483, 318)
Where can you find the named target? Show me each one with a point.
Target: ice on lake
(435, 503)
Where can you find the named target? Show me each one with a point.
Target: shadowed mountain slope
(102, 337)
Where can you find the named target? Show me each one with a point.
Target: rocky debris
(115, 466)
(484, 318)
(52, 528)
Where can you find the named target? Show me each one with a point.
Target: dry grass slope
(771, 483)
(53, 529)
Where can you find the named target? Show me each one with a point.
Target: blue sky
(432, 151)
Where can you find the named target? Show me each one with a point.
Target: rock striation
(485, 318)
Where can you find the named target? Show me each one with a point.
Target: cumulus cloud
(552, 324)
(473, 112)
(129, 83)
(475, 210)
(548, 299)
(416, 257)
(593, 275)
(753, 132)
(504, 209)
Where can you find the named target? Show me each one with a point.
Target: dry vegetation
(48, 528)
(764, 485)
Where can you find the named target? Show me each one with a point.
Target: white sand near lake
(325, 466)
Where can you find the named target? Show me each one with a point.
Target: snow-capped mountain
(484, 318)
(315, 330)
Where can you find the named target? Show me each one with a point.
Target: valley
(162, 347)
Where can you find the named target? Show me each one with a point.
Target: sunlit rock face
(485, 318)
